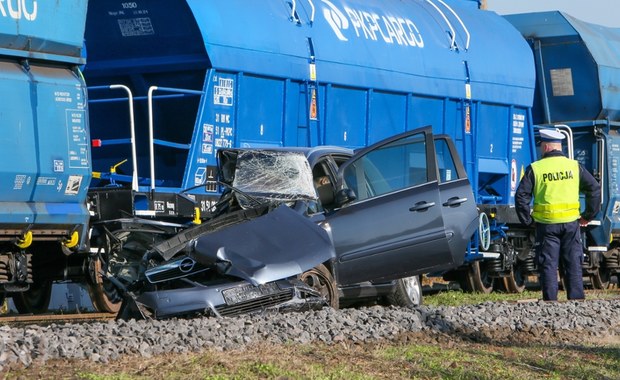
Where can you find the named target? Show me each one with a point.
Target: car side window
(324, 187)
(445, 162)
(397, 165)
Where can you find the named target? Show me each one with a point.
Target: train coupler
(70, 244)
(24, 241)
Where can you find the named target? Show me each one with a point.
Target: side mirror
(344, 196)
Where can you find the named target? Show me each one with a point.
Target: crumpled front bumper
(226, 299)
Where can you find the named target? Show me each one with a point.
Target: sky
(603, 12)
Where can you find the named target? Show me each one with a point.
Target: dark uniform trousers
(560, 241)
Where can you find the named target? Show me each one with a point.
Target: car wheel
(407, 292)
(321, 279)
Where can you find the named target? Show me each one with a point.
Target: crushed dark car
(302, 228)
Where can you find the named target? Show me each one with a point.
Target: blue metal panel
(142, 36)
(343, 127)
(364, 43)
(427, 111)
(45, 161)
(579, 63)
(612, 211)
(388, 114)
(259, 116)
(296, 114)
(237, 39)
(50, 30)
(493, 142)
(18, 144)
(45, 151)
(48, 105)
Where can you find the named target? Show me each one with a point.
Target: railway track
(54, 318)
(430, 288)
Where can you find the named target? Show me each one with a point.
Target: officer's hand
(583, 222)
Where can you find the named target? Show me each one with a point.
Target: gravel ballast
(105, 341)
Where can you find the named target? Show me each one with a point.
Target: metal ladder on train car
(312, 85)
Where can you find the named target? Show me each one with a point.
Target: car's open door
(458, 205)
(395, 227)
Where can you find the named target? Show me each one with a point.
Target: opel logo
(186, 265)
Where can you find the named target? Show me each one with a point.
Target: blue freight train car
(578, 72)
(172, 81)
(45, 165)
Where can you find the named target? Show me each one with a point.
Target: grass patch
(420, 358)
(458, 297)
(490, 361)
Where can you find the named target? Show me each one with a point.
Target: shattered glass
(273, 176)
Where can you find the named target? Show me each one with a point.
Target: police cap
(551, 136)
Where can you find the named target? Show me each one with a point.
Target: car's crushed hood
(280, 244)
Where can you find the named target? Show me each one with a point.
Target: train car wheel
(321, 279)
(600, 279)
(4, 305)
(35, 300)
(475, 279)
(104, 296)
(515, 281)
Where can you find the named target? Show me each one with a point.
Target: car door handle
(422, 206)
(452, 202)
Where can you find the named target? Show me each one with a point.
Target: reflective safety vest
(556, 190)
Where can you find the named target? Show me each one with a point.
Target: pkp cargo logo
(336, 19)
(18, 9)
(371, 25)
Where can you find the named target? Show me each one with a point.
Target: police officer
(555, 182)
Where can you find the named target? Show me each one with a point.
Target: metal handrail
(568, 132)
(151, 138)
(601, 143)
(293, 10)
(313, 11)
(460, 21)
(134, 156)
(132, 127)
(151, 145)
(453, 41)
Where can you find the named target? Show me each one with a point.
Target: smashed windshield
(273, 175)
